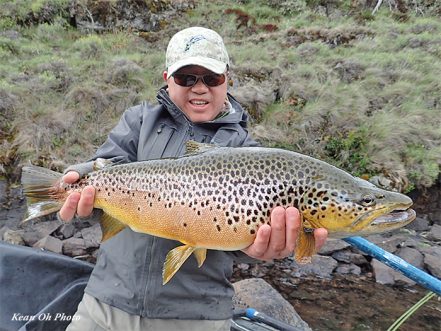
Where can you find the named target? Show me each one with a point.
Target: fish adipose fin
(110, 226)
(305, 247)
(174, 260)
(40, 186)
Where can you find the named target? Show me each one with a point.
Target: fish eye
(368, 200)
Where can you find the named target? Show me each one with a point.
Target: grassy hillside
(326, 78)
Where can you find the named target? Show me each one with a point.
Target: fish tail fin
(41, 191)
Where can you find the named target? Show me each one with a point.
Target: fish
(218, 197)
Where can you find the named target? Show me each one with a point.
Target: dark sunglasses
(188, 80)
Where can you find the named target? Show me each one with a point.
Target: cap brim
(213, 65)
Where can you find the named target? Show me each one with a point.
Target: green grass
(358, 90)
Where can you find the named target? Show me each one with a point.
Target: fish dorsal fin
(174, 260)
(110, 226)
(101, 163)
(193, 147)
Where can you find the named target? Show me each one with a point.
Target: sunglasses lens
(184, 80)
(189, 80)
(214, 80)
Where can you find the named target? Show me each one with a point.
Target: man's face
(199, 102)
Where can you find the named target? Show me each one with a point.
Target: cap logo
(192, 41)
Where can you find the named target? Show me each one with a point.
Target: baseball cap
(196, 46)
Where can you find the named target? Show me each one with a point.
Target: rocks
(420, 248)
(13, 237)
(333, 245)
(50, 244)
(76, 239)
(133, 15)
(74, 247)
(66, 231)
(386, 275)
(34, 232)
(420, 224)
(321, 266)
(432, 260)
(435, 233)
(92, 235)
(258, 294)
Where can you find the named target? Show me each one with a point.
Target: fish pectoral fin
(110, 226)
(305, 247)
(174, 260)
(101, 163)
(200, 254)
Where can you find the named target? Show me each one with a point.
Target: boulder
(434, 233)
(321, 266)
(50, 243)
(345, 269)
(432, 258)
(349, 257)
(13, 237)
(383, 274)
(386, 275)
(37, 231)
(420, 224)
(258, 294)
(66, 231)
(333, 245)
(92, 235)
(74, 247)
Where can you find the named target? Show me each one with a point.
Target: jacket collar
(238, 116)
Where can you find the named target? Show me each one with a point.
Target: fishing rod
(421, 277)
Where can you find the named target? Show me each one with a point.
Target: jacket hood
(238, 116)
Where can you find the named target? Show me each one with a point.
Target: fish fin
(101, 163)
(41, 191)
(193, 147)
(305, 247)
(174, 260)
(200, 254)
(110, 226)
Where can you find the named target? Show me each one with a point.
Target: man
(125, 290)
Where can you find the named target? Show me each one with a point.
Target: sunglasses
(188, 80)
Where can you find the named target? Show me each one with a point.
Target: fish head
(356, 208)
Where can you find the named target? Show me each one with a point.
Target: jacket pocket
(157, 142)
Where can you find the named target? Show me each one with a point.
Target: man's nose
(199, 86)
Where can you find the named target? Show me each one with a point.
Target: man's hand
(77, 203)
(279, 240)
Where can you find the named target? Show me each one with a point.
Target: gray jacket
(128, 273)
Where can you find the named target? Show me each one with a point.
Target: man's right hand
(80, 204)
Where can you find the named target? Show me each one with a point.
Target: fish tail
(42, 192)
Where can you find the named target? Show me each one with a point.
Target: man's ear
(164, 75)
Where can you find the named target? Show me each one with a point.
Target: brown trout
(218, 197)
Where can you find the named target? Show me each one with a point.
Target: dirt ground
(360, 304)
